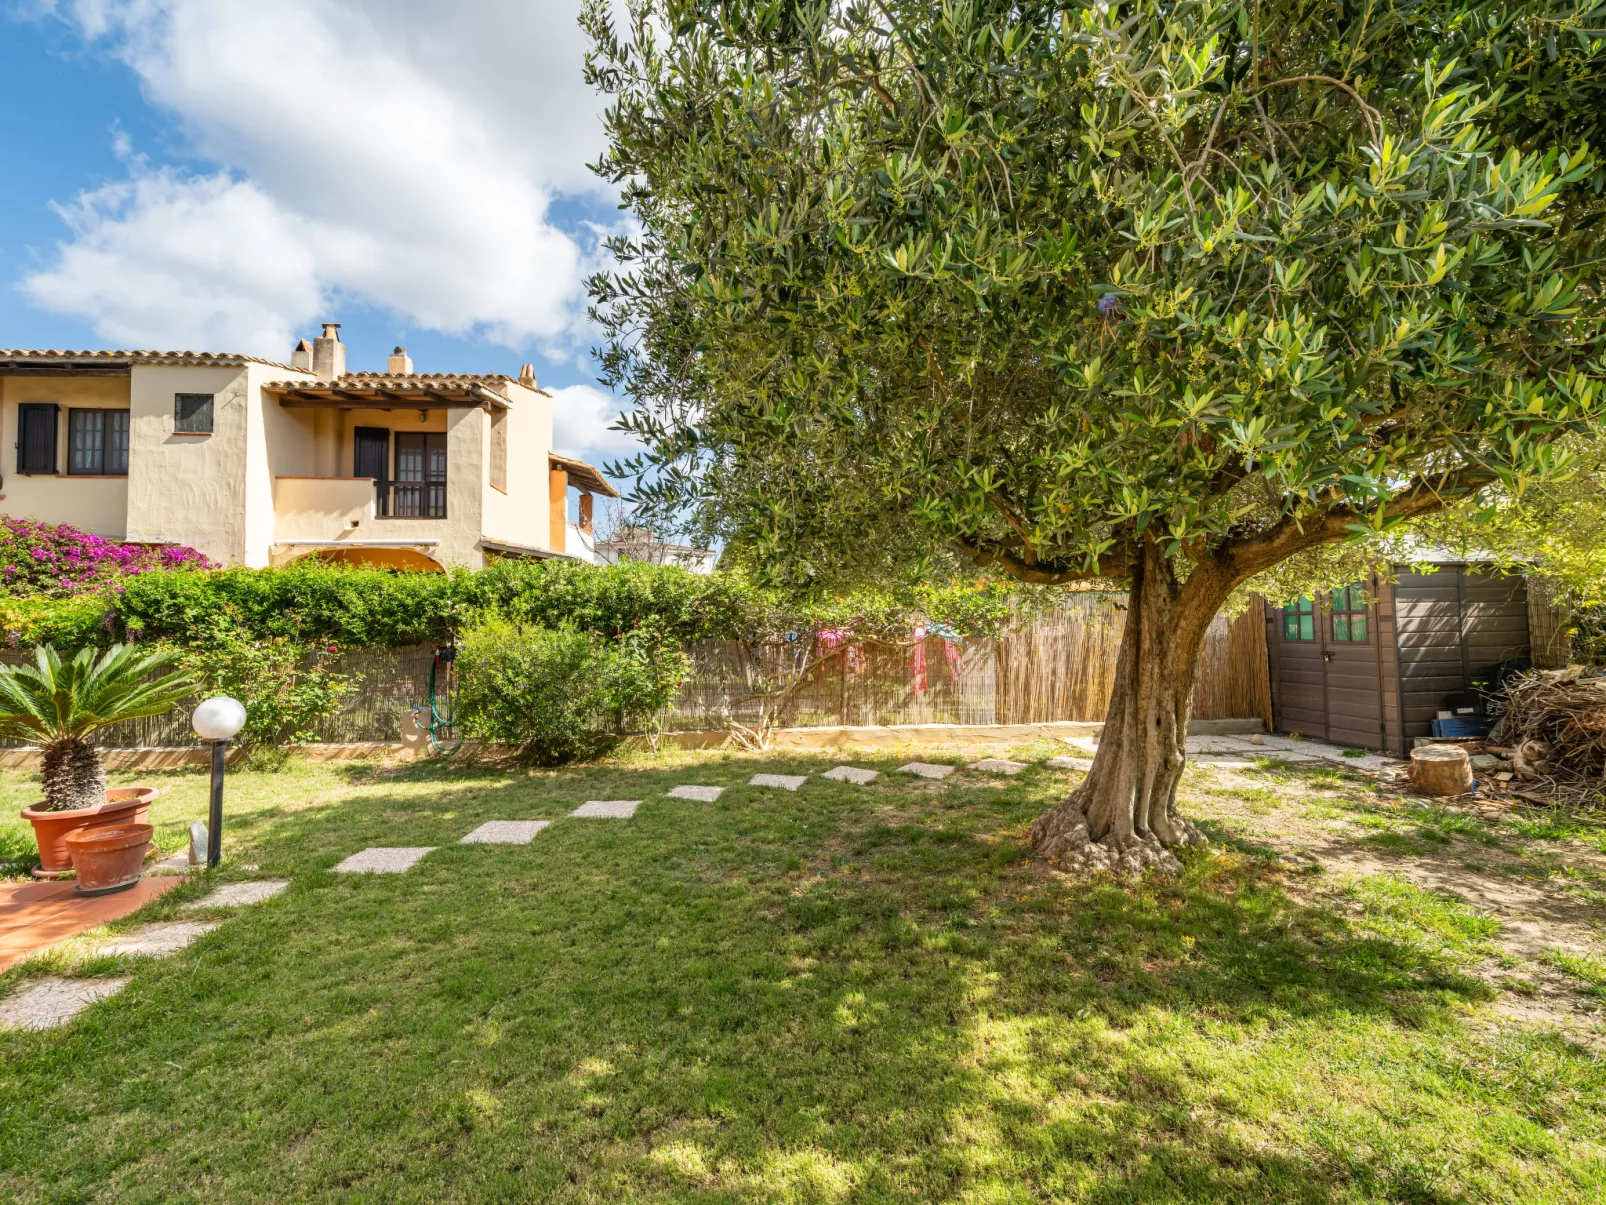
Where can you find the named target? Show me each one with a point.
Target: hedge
(351, 607)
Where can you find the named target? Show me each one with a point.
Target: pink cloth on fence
(917, 663)
(956, 658)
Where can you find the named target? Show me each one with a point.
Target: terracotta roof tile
(141, 357)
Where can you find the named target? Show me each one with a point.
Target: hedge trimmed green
(355, 607)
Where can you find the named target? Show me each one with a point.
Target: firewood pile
(1551, 737)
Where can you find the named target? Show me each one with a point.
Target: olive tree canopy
(1155, 294)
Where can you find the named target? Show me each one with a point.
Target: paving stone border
(48, 1003)
(852, 774)
(607, 809)
(997, 765)
(787, 782)
(926, 769)
(700, 794)
(157, 941)
(231, 895)
(384, 859)
(504, 832)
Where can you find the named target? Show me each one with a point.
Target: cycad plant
(57, 704)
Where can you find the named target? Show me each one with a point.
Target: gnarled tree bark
(1123, 816)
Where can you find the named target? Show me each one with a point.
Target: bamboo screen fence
(1058, 667)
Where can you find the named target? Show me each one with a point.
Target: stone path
(232, 895)
(157, 941)
(789, 782)
(608, 809)
(701, 794)
(382, 859)
(997, 765)
(852, 774)
(47, 1003)
(926, 769)
(1235, 751)
(1083, 764)
(505, 832)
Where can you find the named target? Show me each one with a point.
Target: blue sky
(217, 176)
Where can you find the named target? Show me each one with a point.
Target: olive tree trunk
(73, 775)
(1123, 816)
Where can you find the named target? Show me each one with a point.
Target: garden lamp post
(217, 719)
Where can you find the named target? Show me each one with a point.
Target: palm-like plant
(57, 704)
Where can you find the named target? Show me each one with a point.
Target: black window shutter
(36, 437)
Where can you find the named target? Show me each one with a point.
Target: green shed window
(1349, 614)
(1299, 620)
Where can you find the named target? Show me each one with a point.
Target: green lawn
(846, 994)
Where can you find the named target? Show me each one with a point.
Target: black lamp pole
(214, 825)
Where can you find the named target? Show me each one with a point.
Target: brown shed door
(1328, 680)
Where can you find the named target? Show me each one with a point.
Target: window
(97, 442)
(1349, 614)
(419, 491)
(36, 437)
(192, 413)
(1299, 620)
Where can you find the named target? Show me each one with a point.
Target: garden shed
(1373, 664)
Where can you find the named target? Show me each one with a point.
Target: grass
(1588, 969)
(843, 994)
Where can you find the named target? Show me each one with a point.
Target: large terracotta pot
(108, 859)
(124, 805)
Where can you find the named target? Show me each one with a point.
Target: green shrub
(560, 695)
(287, 688)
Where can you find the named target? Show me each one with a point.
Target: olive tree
(1154, 295)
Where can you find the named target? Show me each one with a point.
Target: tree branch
(1036, 573)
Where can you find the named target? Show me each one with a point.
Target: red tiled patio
(36, 915)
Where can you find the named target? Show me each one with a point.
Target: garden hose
(442, 727)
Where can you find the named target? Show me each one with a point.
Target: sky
(224, 175)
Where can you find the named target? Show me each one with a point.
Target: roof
(424, 390)
(583, 475)
(116, 361)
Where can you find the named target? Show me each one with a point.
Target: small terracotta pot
(124, 805)
(108, 859)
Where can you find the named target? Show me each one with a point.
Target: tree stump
(1441, 769)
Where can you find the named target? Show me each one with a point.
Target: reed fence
(1060, 666)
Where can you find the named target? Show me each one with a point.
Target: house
(640, 544)
(1374, 664)
(257, 463)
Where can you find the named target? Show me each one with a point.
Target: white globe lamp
(217, 720)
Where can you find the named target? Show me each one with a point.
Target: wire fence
(1060, 666)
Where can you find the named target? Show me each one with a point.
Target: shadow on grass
(830, 996)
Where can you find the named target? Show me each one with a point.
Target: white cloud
(402, 152)
(581, 417)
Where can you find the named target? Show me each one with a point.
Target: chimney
(527, 376)
(329, 353)
(400, 363)
(302, 356)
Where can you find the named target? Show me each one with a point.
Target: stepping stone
(157, 941)
(608, 809)
(505, 832)
(232, 895)
(384, 859)
(852, 774)
(1070, 763)
(47, 1003)
(926, 769)
(789, 782)
(700, 794)
(178, 863)
(997, 765)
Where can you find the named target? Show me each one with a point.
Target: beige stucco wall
(323, 508)
(189, 489)
(97, 504)
(520, 516)
(279, 442)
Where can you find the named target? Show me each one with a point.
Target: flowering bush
(59, 560)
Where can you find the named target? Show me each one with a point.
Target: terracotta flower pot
(108, 859)
(124, 805)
